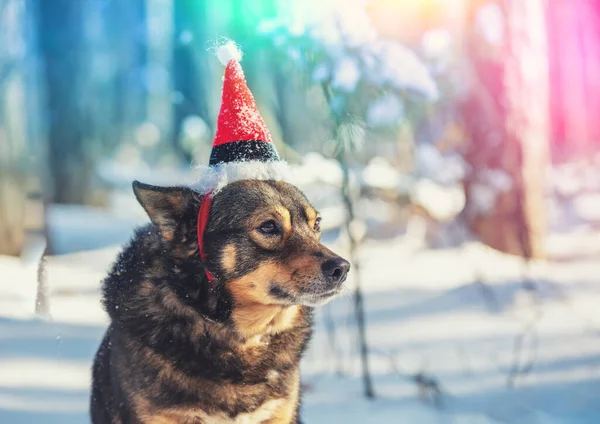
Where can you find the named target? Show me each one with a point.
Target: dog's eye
(317, 226)
(269, 228)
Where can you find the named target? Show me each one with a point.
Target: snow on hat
(242, 148)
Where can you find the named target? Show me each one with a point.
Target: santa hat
(242, 148)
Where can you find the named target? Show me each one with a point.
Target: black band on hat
(243, 151)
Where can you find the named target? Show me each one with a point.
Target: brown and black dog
(181, 349)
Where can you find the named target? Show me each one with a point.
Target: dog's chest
(269, 411)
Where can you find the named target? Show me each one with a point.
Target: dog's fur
(181, 349)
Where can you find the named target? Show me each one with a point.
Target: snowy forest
(451, 146)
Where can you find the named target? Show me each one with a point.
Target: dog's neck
(250, 320)
(255, 320)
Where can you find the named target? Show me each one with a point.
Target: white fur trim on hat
(214, 178)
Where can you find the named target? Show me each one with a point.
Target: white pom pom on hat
(228, 51)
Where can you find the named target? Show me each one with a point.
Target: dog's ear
(164, 205)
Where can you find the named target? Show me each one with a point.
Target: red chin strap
(203, 213)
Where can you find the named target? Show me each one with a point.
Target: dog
(183, 349)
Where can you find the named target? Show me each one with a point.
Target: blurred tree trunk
(506, 116)
(22, 151)
(190, 67)
(13, 137)
(574, 44)
(61, 40)
(348, 134)
(126, 32)
(159, 110)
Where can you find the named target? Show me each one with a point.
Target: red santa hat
(242, 148)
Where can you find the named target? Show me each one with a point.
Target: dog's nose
(335, 270)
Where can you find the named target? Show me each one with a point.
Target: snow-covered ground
(462, 318)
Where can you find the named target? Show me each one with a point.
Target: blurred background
(452, 146)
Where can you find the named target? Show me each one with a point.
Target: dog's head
(262, 241)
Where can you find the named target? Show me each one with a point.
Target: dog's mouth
(309, 288)
(315, 295)
(310, 299)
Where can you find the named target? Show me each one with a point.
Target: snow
(386, 110)
(431, 164)
(400, 67)
(588, 206)
(452, 314)
(332, 23)
(442, 203)
(348, 49)
(346, 75)
(379, 173)
(315, 168)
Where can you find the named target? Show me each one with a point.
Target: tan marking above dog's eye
(271, 227)
(313, 218)
(286, 219)
(311, 214)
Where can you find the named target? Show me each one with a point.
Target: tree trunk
(345, 135)
(159, 110)
(506, 116)
(527, 86)
(190, 67)
(359, 308)
(61, 41)
(14, 123)
(574, 44)
(126, 29)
